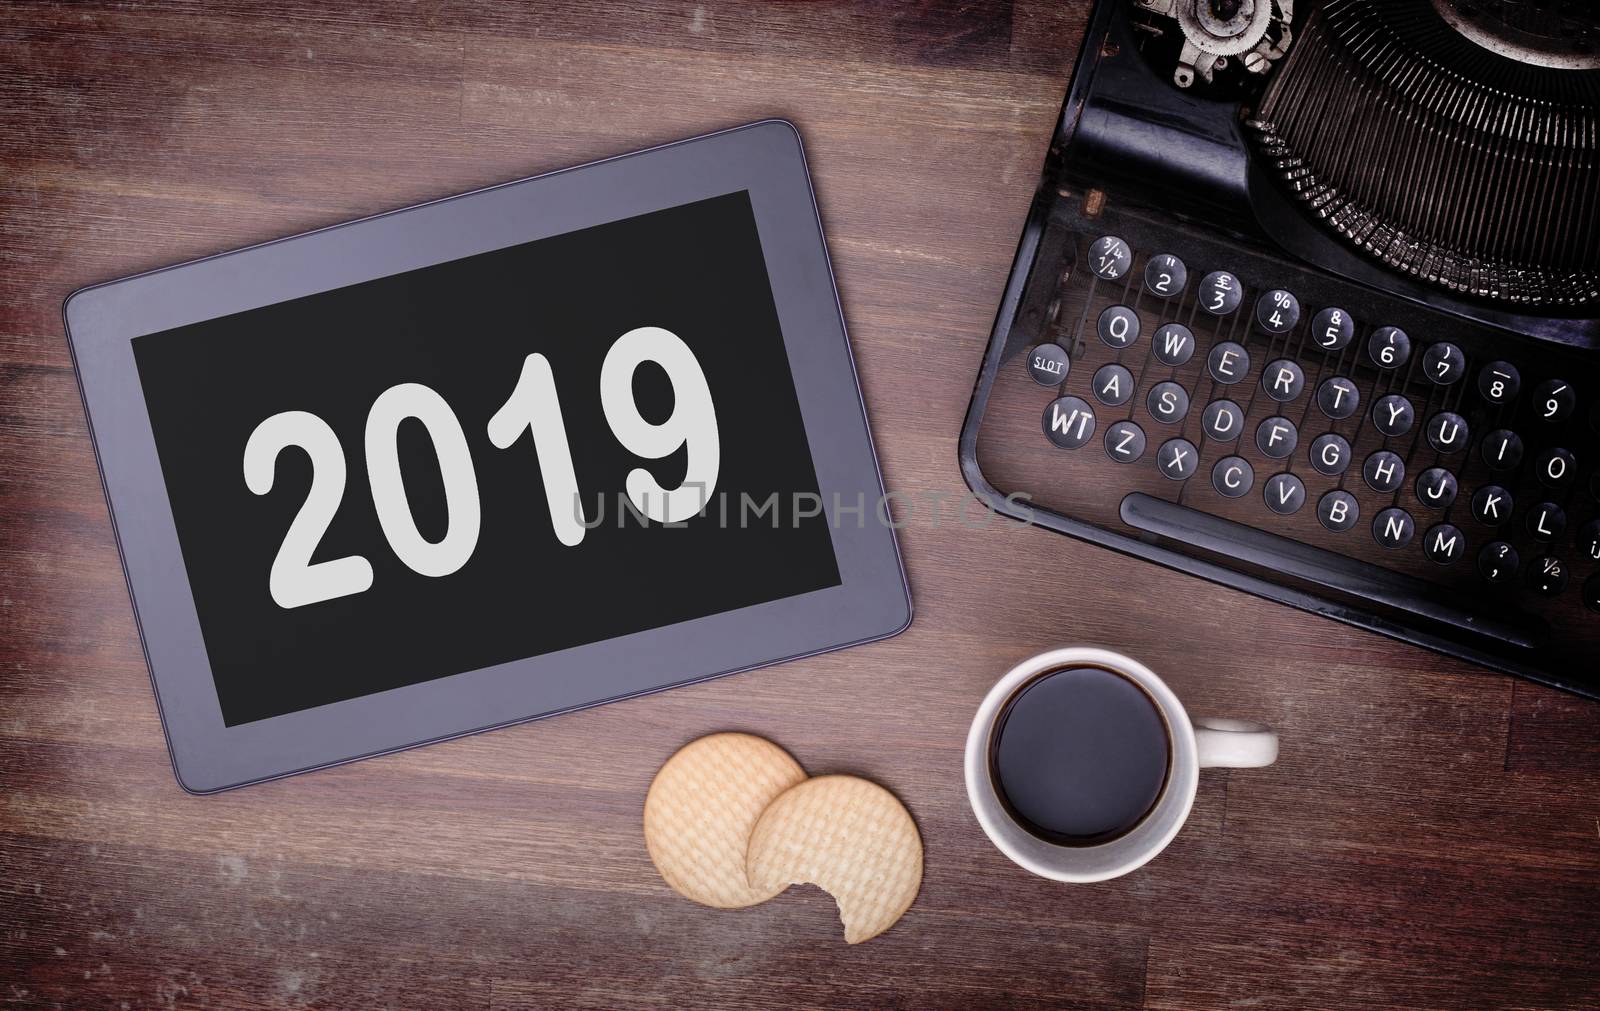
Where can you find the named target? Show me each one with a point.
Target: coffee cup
(1082, 765)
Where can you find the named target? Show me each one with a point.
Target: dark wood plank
(1428, 837)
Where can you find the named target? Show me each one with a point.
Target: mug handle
(1234, 744)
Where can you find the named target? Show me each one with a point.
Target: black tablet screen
(522, 451)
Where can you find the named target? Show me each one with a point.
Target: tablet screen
(498, 457)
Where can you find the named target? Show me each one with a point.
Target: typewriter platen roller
(1308, 303)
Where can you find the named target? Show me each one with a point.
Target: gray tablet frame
(764, 158)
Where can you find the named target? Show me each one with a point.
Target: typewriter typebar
(1299, 362)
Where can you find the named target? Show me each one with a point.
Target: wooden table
(1430, 837)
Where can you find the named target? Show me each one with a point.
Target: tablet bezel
(766, 160)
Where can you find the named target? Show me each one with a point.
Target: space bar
(1325, 568)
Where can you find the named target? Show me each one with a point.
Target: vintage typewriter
(1308, 303)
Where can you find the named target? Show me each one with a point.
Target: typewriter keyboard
(1298, 429)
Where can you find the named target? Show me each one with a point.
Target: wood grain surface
(1429, 838)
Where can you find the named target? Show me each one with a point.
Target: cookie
(851, 838)
(701, 808)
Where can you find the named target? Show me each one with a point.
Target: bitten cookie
(851, 838)
(701, 808)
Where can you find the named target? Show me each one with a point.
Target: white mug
(1192, 745)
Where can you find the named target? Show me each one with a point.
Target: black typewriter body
(1319, 323)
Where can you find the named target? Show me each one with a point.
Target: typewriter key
(1283, 380)
(1277, 311)
(1069, 422)
(1437, 488)
(1498, 382)
(1444, 544)
(1220, 293)
(1492, 505)
(1498, 562)
(1223, 420)
(1125, 442)
(1228, 362)
(1113, 385)
(1554, 400)
(1232, 476)
(1330, 454)
(1277, 437)
(1338, 398)
(1591, 592)
(1332, 329)
(1168, 402)
(1547, 576)
(1118, 326)
(1173, 344)
(1389, 347)
(1338, 510)
(1502, 449)
(1048, 364)
(1178, 459)
(1165, 275)
(1546, 521)
(1384, 471)
(1393, 415)
(1557, 467)
(1284, 494)
(1109, 258)
(1443, 362)
(1589, 540)
(1393, 528)
(1447, 432)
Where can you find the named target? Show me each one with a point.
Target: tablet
(548, 444)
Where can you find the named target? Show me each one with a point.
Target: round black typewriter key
(1284, 493)
(1118, 326)
(1554, 400)
(1497, 562)
(1048, 364)
(1556, 467)
(1502, 449)
(1338, 398)
(1393, 415)
(1330, 454)
(1113, 385)
(1437, 488)
(1283, 380)
(1228, 362)
(1448, 432)
(1591, 592)
(1389, 347)
(1393, 528)
(1338, 510)
(1277, 311)
(1165, 275)
(1232, 476)
(1168, 403)
(1178, 459)
(1492, 505)
(1223, 420)
(1547, 576)
(1384, 471)
(1332, 329)
(1173, 344)
(1444, 544)
(1498, 382)
(1109, 258)
(1547, 521)
(1069, 422)
(1220, 293)
(1125, 442)
(1589, 540)
(1277, 437)
(1443, 363)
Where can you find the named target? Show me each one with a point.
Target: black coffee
(1080, 756)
